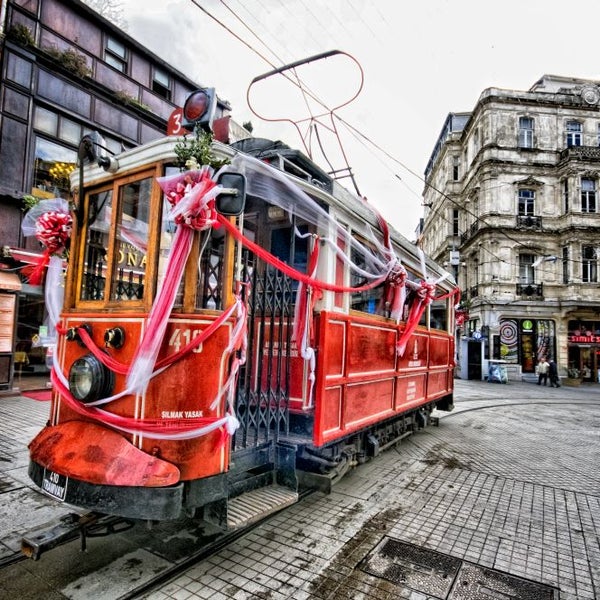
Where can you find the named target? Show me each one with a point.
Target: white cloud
(421, 60)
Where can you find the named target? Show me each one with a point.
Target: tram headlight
(89, 379)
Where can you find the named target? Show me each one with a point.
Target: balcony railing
(581, 153)
(529, 222)
(530, 290)
(470, 232)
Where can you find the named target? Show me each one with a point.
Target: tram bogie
(215, 357)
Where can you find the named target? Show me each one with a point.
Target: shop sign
(584, 339)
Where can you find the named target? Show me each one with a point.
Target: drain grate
(476, 582)
(444, 577)
(419, 569)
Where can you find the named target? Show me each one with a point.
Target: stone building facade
(512, 208)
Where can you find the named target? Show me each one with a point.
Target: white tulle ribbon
(191, 211)
(54, 294)
(425, 293)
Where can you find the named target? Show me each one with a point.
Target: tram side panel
(361, 380)
(440, 380)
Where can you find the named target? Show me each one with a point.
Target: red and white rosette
(53, 230)
(51, 223)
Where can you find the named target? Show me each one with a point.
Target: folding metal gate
(262, 399)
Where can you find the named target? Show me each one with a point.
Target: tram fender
(98, 455)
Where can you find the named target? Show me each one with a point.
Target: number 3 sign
(175, 123)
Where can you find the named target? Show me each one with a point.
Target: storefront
(10, 285)
(583, 343)
(23, 347)
(525, 341)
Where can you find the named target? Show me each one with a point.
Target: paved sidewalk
(25, 383)
(507, 486)
(506, 491)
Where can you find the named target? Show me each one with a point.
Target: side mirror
(232, 200)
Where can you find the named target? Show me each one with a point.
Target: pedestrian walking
(542, 371)
(553, 374)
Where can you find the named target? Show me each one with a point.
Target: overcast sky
(420, 60)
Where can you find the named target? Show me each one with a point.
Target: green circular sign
(527, 325)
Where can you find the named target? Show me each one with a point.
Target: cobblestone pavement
(508, 481)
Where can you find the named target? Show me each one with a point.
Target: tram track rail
(484, 404)
(179, 565)
(12, 559)
(199, 555)
(177, 569)
(20, 566)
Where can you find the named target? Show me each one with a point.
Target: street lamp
(548, 258)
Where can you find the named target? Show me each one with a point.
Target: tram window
(291, 249)
(248, 265)
(93, 282)
(209, 292)
(438, 315)
(131, 245)
(411, 297)
(369, 301)
(167, 236)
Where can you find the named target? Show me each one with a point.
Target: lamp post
(547, 258)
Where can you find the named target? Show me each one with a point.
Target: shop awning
(29, 257)
(10, 281)
(26, 256)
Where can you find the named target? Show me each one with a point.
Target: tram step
(256, 505)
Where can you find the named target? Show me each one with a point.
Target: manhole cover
(479, 583)
(419, 569)
(443, 577)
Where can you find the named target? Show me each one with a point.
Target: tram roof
(341, 199)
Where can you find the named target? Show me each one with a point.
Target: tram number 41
(182, 337)
(54, 484)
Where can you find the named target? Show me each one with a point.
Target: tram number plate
(54, 484)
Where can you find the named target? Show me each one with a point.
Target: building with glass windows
(511, 207)
(65, 72)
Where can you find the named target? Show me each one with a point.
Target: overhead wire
(305, 91)
(349, 126)
(438, 210)
(258, 38)
(298, 83)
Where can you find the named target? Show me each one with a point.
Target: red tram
(230, 336)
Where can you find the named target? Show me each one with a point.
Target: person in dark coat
(553, 374)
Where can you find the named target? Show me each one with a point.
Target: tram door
(267, 377)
